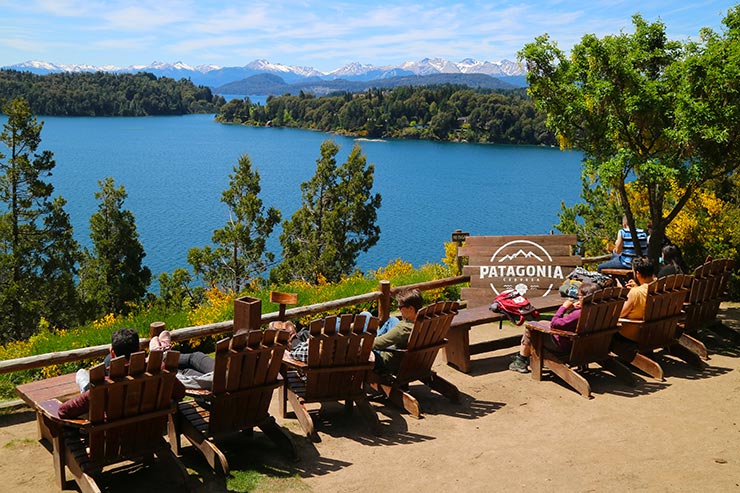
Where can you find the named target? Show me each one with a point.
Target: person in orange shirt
(643, 270)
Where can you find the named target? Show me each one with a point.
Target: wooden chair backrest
(663, 311)
(708, 290)
(339, 356)
(245, 374)
(129, 407)
(597, 324)
(497, 263)
(427, 337)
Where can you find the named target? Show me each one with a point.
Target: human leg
(520, 363)
(198, 361)
(612, 263)
(388, 325)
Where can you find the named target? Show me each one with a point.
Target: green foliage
(38, 253)
(336, 221)
(444, 112)
(175, 291)
(112, 276)
(646, 111)
(107, 94)
(239, 257)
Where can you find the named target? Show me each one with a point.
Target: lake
(174, 170)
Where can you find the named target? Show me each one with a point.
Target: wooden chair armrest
(293, 363)
(544, 327)
(198, 393)
(630, 321)
(50, 410)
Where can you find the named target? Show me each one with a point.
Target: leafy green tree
(112, 276)
(336, 221)
(239, 257)
(38, 254)
(175, 291)
(645, 110)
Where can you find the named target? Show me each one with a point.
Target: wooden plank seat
(591, 340)
(127, 420)
(339, 357)
(246, 373)
(659, 327)
(708, 290)
(535, 265)
(426, 339)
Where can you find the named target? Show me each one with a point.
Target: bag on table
(516, 307)
(584, 275)
(569, 288)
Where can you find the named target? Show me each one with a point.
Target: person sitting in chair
(634, 308)
(124, 342)
(194, 370)
(565, 318)
(409, 302)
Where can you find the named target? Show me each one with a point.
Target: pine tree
(335, 223)
(112, 276)
(38, 254)
(239, 257)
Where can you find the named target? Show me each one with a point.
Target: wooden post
(156, 328)
(283, 299)
(247, 314)
(384, 302)
(459, 238)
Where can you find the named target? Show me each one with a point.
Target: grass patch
(19, 442)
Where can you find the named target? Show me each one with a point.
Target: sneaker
(519, 364)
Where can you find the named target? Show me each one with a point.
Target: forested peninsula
(446, 113)
(107, 94)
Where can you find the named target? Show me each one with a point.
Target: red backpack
(515, 306)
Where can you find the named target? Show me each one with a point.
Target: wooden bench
(536, 265)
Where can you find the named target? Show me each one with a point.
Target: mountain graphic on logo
(521, 253)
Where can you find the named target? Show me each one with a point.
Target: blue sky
(320, 34)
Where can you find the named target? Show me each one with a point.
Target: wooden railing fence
(383, 296)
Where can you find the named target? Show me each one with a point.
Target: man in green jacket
(397, 337)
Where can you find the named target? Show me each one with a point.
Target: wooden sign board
(535, 266)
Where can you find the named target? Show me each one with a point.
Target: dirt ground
(511, 433)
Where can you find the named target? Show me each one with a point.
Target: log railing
(384, 302)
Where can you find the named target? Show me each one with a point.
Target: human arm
(564, 318)
(398, 336)
(619, 243)
(76, 407)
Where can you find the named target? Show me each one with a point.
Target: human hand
(631, 284)
(568, 304)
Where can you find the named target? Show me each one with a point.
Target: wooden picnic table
(458, 349)
(62, 387)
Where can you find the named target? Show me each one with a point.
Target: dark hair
(124, 342)
(643, 266)
(588, 288)
(410, 297)
(672, 256)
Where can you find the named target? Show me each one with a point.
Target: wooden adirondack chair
(127, 420)
(592, 338)
(708, 290)
(427, 338)
(246, 372)
(338, 360)
(659, 328)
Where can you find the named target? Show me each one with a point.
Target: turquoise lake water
(174, 170)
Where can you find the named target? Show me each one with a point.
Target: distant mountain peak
(215, 76)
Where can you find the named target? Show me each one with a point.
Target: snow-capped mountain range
(214, 76)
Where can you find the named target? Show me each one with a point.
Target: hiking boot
(519, 364)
